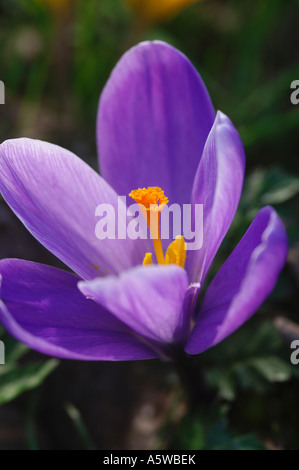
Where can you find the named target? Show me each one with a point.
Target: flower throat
(151, 201)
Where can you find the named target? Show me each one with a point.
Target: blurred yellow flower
(58, 6)
(156, 10)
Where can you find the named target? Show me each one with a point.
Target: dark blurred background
(55, 58)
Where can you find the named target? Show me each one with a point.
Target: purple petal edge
(243, 283)
(217, 186)
(154, 117)
(42, 307)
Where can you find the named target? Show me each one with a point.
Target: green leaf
(252, 359)
(273, 368)
(78, 423)
(269, 127)
(208, 429)
(220, 438)
(17, 379)
(273, 186)
(14, 350)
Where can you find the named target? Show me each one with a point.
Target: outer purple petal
(154, 117)
(42, 307)
(243, 283)
(218, 185)
(55, 195)
(148, 299)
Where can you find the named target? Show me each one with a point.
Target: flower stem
(192, 381)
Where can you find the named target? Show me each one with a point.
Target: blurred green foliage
(250, 361)
(54, 67)
(16, 379)
(203, 433)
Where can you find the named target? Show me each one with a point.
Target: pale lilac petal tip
(148, 299)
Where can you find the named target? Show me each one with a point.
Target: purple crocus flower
(156, 128)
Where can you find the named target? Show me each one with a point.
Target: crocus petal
(42, 307)
(55, 195)
(243, 283)
(148, 299)
(154, 117)
(190, 300)
(217, 185)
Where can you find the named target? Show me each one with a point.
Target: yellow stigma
(151, 201)
(150, 198)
